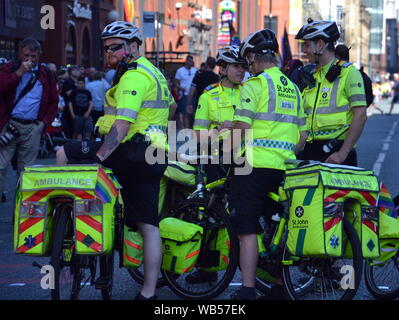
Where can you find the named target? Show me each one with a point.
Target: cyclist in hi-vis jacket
(217, 104)
(136, 116)
(215, 111)
(335, 103)
(270, 116)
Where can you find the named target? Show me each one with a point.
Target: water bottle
(269, 235)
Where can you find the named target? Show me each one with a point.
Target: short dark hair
(189, 57)
(81, 79)
(31, 44)
(342, 52)
(211, 62)
(331, 47)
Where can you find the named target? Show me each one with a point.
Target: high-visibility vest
(277, 121)
(151, 117)
(328, 106)
(220, 103)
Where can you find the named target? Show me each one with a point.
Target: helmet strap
(320, 53)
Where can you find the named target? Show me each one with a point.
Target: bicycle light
(88, 206)
(33, 208)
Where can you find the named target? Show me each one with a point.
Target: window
(86, 49)
(70, 47)
(271, 23)
(8, 49)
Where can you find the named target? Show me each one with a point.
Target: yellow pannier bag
(181, 173)
(217, 255)
(181, 244)
(389, 227)
(95, 195)
(389, 215)
(132, 248)
(320, 196)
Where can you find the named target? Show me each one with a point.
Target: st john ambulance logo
(299, 212)
(284, 81)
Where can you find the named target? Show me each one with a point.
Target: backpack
(368, 88)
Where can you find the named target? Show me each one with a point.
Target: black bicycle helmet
(315, 30)
(262, 41)
(230, 54)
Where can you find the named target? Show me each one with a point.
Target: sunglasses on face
(113, 47)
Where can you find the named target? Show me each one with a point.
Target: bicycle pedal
(102, 283)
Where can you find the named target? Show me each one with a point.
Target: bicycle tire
(210, 292)
(138, 276)
(107, 271)
(293, 292)
(376, 290)
(64, 232)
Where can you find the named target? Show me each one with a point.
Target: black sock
(248, 293)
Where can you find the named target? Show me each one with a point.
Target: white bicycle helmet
(263, 41)
(315, 30)
(122, 30)
(230, 54)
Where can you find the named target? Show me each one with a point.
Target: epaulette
(346, 64)
(132, 66)
(212, 86)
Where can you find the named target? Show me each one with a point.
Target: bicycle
(382, 275)
(309, 277)
(319, 277)
(67, 264)
(56, 216)
(206, 207)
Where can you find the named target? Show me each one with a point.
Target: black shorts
(140, 181)
(314, 151)
(248, 200)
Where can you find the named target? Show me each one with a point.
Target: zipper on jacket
(314, 110)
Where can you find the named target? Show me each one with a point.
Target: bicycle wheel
(67, 275)
(320, 278)
(138, 276)
(107, 273)
(213, 218)
(382, 281)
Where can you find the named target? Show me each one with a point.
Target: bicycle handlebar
(190, 158)
(300, 163)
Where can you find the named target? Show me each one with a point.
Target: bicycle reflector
(33, 208)
(88, 207)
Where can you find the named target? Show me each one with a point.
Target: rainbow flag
(105, 187)
(385, 203)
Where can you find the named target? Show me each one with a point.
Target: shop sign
(79, 11)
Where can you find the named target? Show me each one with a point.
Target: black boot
(139, 296)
